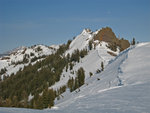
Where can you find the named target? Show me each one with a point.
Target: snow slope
(91, 62)
(11, 64)
(81, 41)
(124, 87)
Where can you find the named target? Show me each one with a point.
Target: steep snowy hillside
(23, 56)
(81, 41)
(123, 87)
(91, 63)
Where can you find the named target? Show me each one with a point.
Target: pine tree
(71, 66)
(133, 41)
(68, 57)
(48, 98)
(81, 76)
(75, 56)
(68, 43)
(90, 73)
(1, 101)
(51, 98)
(90, 45)
(39, 104)
(102, 66)
(8, 102)
(76, 85)
(15, 101)
(25, 98)
(66, 67)
(83, 53)
(45, 98)
(70, 84)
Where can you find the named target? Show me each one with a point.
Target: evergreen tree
(102, 66)
(66, 67)
(91, 74)
(90, 45)
(25, 98)
(68, 43)
(51, 98)
(8, 102)
(15, 101)
(68, 57)
(48, 98)
(71, 66)
(70, 84)
(83, 53)
(45, 98)
(75, 56)
(133, 41)
(1, 101)
(39, 104)
(81, 76)
(76, 85)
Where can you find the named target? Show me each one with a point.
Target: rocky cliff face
(107, 35)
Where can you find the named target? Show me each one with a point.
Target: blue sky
(29, 22)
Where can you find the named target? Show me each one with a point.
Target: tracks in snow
(120, 71)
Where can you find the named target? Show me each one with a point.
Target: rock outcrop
(107, 35)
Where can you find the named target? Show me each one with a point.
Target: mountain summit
(107, 35)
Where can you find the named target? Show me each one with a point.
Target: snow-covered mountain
(124, 86)
(92, 61)
(23, 56)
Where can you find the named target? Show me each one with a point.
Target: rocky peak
(86, 30)
(106, 34)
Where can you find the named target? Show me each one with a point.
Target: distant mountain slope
(23, 56)
(124, 86)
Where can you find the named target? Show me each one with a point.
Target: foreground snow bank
(128, 99)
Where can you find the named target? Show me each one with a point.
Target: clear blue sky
(29, 22)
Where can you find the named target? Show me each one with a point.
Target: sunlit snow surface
(91, 62)
(20, 53)
(124, 87)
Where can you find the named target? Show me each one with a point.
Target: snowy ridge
(91, 62)
(107, 95)
(80, 42)
(13, 62)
